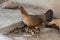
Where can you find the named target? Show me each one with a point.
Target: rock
(10, 5)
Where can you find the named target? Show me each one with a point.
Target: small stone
(10, 5)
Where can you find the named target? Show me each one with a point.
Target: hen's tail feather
(49, 15)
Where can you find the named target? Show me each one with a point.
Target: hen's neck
(24, 13)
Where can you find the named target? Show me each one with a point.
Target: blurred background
(10, 18)
(50, 4)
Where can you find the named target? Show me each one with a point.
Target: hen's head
(20, 8)
(23, 11)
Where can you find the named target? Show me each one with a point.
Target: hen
(35, 20)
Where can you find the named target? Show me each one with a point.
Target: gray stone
(10, 5)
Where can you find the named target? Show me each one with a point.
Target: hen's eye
(21, 7)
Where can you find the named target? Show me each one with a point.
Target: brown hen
(35, 20)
